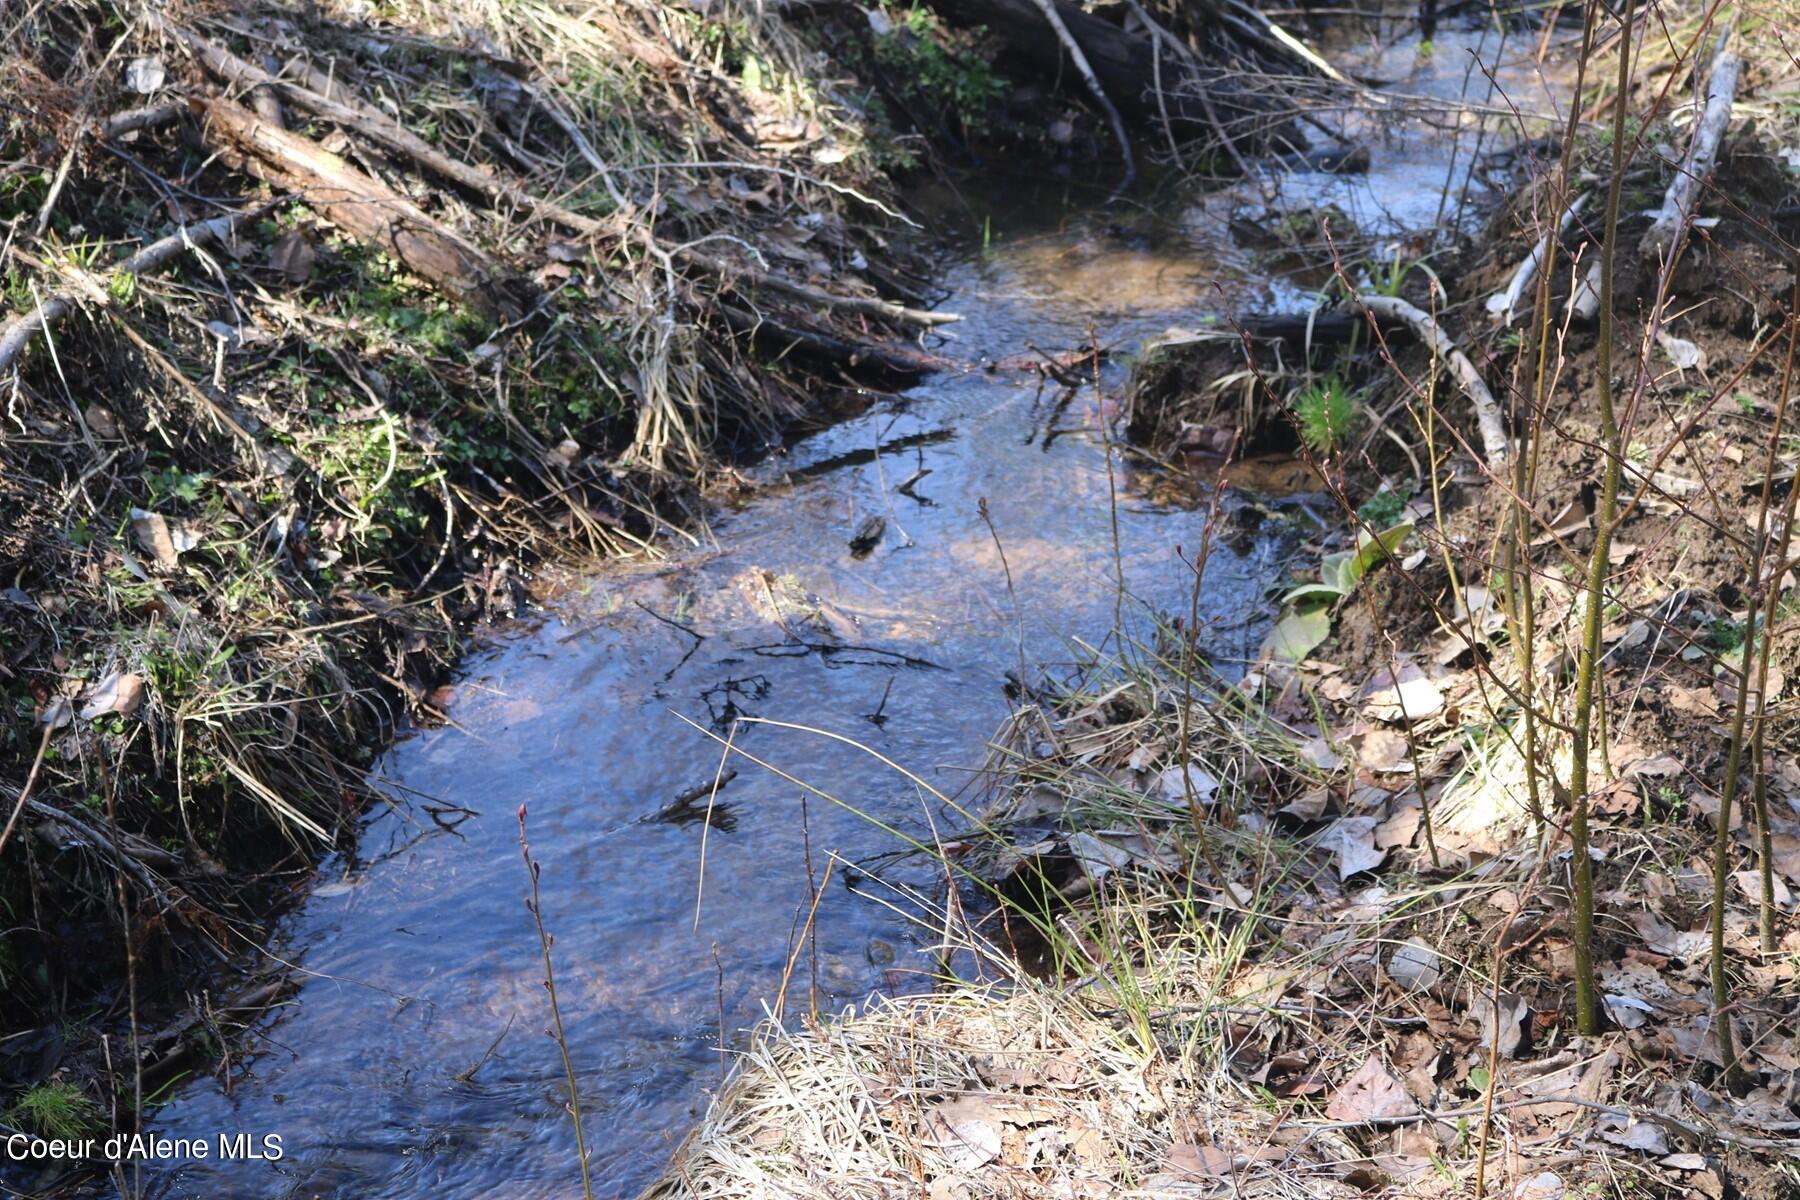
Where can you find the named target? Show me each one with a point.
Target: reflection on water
(413, 1062)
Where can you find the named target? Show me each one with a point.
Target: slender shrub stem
(1587, 1011)
(1765, 853)
(535, 906)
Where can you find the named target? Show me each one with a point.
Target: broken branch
(1487, 413)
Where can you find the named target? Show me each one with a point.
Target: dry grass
(1017, 1091)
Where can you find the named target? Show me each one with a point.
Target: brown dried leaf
(1372, 1094)
(293, 255)
(1200, 1162)
(160, 538)
(120, 692)
(1380, 750)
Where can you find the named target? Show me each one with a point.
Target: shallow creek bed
(1254, 890)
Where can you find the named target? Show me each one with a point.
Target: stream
(413, 1061)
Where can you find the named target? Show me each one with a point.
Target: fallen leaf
(1380, 750)
(1353, 839)
(1627, 1012)
(1545, 1185)
(1173, 784)
(1408, 696)
(1200, 1162)
(1655, 766)
(1505, 1031)
(101, 421)
(1319, 753)
(1683, 353)
(967, 1140)
(1619, 798)
(1751, 883)
(1309, 805)
(145, 75)
(120, 692)
(1098, 858)
(293, 255)
(56, 714)
(1694, 702)
(1372, 1094)
(163, 540)
(1401, 826)
(1645, 1136)
(1414, 965)
(1663, 939)
(1299, 632)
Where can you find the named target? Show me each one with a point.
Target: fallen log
(17, 333)
(900, 362)
(1124, 64)
(1503, 306)
(1663, 240)
(1584, 297)
(365, 208)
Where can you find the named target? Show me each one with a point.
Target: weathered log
(1665, 236)
(1503, 306)
(1584, 297)
(17, 333)
(367, 209)
(893, 361)
(1124, 64)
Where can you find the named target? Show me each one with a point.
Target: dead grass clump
(990, 1092)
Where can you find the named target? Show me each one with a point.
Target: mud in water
(413, 1061)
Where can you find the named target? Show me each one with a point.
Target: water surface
(413, 1061)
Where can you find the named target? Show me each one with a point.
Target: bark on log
(1124, 63)
(366, 209)
(1666, 235)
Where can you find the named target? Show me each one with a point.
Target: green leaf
(1299, 632)
(1373, 549)
(1308, 594)
(1337, 572)
(1341, 571)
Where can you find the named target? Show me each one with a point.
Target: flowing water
(413, 1061)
